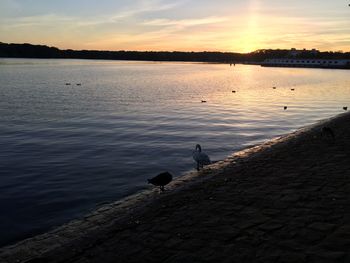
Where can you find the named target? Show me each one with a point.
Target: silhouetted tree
(40, 51)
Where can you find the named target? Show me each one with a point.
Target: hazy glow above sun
(223, 25)
(250, 36)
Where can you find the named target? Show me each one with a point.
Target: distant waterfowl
(203, 101)
(67, 84)
(292, 89)
(345, 108)
(285, 107)
(161, 180)
(200, 157)
(233, 91)
(327, 132)
(78, 84)
(274, 87)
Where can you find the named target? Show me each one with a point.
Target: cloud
(39, 20)
(143, 6)
(148, 6)
(185, 22)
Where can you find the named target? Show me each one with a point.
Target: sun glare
(249, 37)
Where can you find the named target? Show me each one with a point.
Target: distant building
(295, 52)
(307, 63)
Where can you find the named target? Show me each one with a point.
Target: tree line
(42, 51)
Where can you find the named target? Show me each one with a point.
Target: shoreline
(74, 240)
(244, 63)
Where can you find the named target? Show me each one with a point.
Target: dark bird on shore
(233, 91)
(292, 89)
(345, 108)
(200, 157)
(327, 132)
(274, 87)
(161, 180)
(203, 101)
(285, 107)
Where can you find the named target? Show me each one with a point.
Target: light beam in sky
(250, 36)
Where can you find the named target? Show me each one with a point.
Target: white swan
(200, 157)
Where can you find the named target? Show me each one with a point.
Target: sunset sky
(183, 25)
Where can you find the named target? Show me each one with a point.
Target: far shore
(286, 200)
(251, 63)
(257, 57)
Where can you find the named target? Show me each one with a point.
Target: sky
(181, 25)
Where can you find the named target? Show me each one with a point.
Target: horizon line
(203, 51)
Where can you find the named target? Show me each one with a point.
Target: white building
(295, 52)
(308, 63)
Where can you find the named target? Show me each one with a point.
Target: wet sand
(287, 200)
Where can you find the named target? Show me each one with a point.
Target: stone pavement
(287, 200)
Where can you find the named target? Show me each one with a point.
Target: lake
(65, 149)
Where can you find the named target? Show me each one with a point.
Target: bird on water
(161, 180)
(200, 157)
(345, 108)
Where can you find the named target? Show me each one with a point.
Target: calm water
(67, 149)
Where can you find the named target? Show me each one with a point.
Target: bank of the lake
(285, 200)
